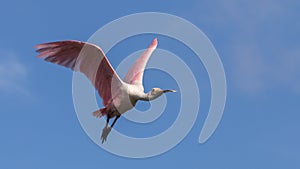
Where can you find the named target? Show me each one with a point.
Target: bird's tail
(101, 112)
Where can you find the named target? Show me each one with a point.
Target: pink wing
(136, 72)
(86, 58)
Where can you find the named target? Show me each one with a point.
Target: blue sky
(257, 42)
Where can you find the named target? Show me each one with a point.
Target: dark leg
(107, 120)
(105, 130)
(117, 117)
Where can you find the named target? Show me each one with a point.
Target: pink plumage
(118, 96)
(86, 58)
(136, 72)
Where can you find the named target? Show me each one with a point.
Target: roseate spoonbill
(118, 96)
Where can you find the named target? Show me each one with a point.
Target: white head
(156, 92)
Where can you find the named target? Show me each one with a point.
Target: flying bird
(118, 96)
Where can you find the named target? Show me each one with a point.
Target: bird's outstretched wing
(86, 58)
(136, 72)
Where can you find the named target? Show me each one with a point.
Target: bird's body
(118, 95)
(123, 101)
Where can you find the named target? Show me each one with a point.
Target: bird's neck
(148, 96)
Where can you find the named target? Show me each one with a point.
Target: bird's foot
(105, 132)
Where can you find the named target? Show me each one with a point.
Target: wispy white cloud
(287, 70)
(258, 52)
(255, 72)
(13, 75)
(248, 69)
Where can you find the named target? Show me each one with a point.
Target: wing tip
(154, 43)
(45, 49)
(38, 46)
